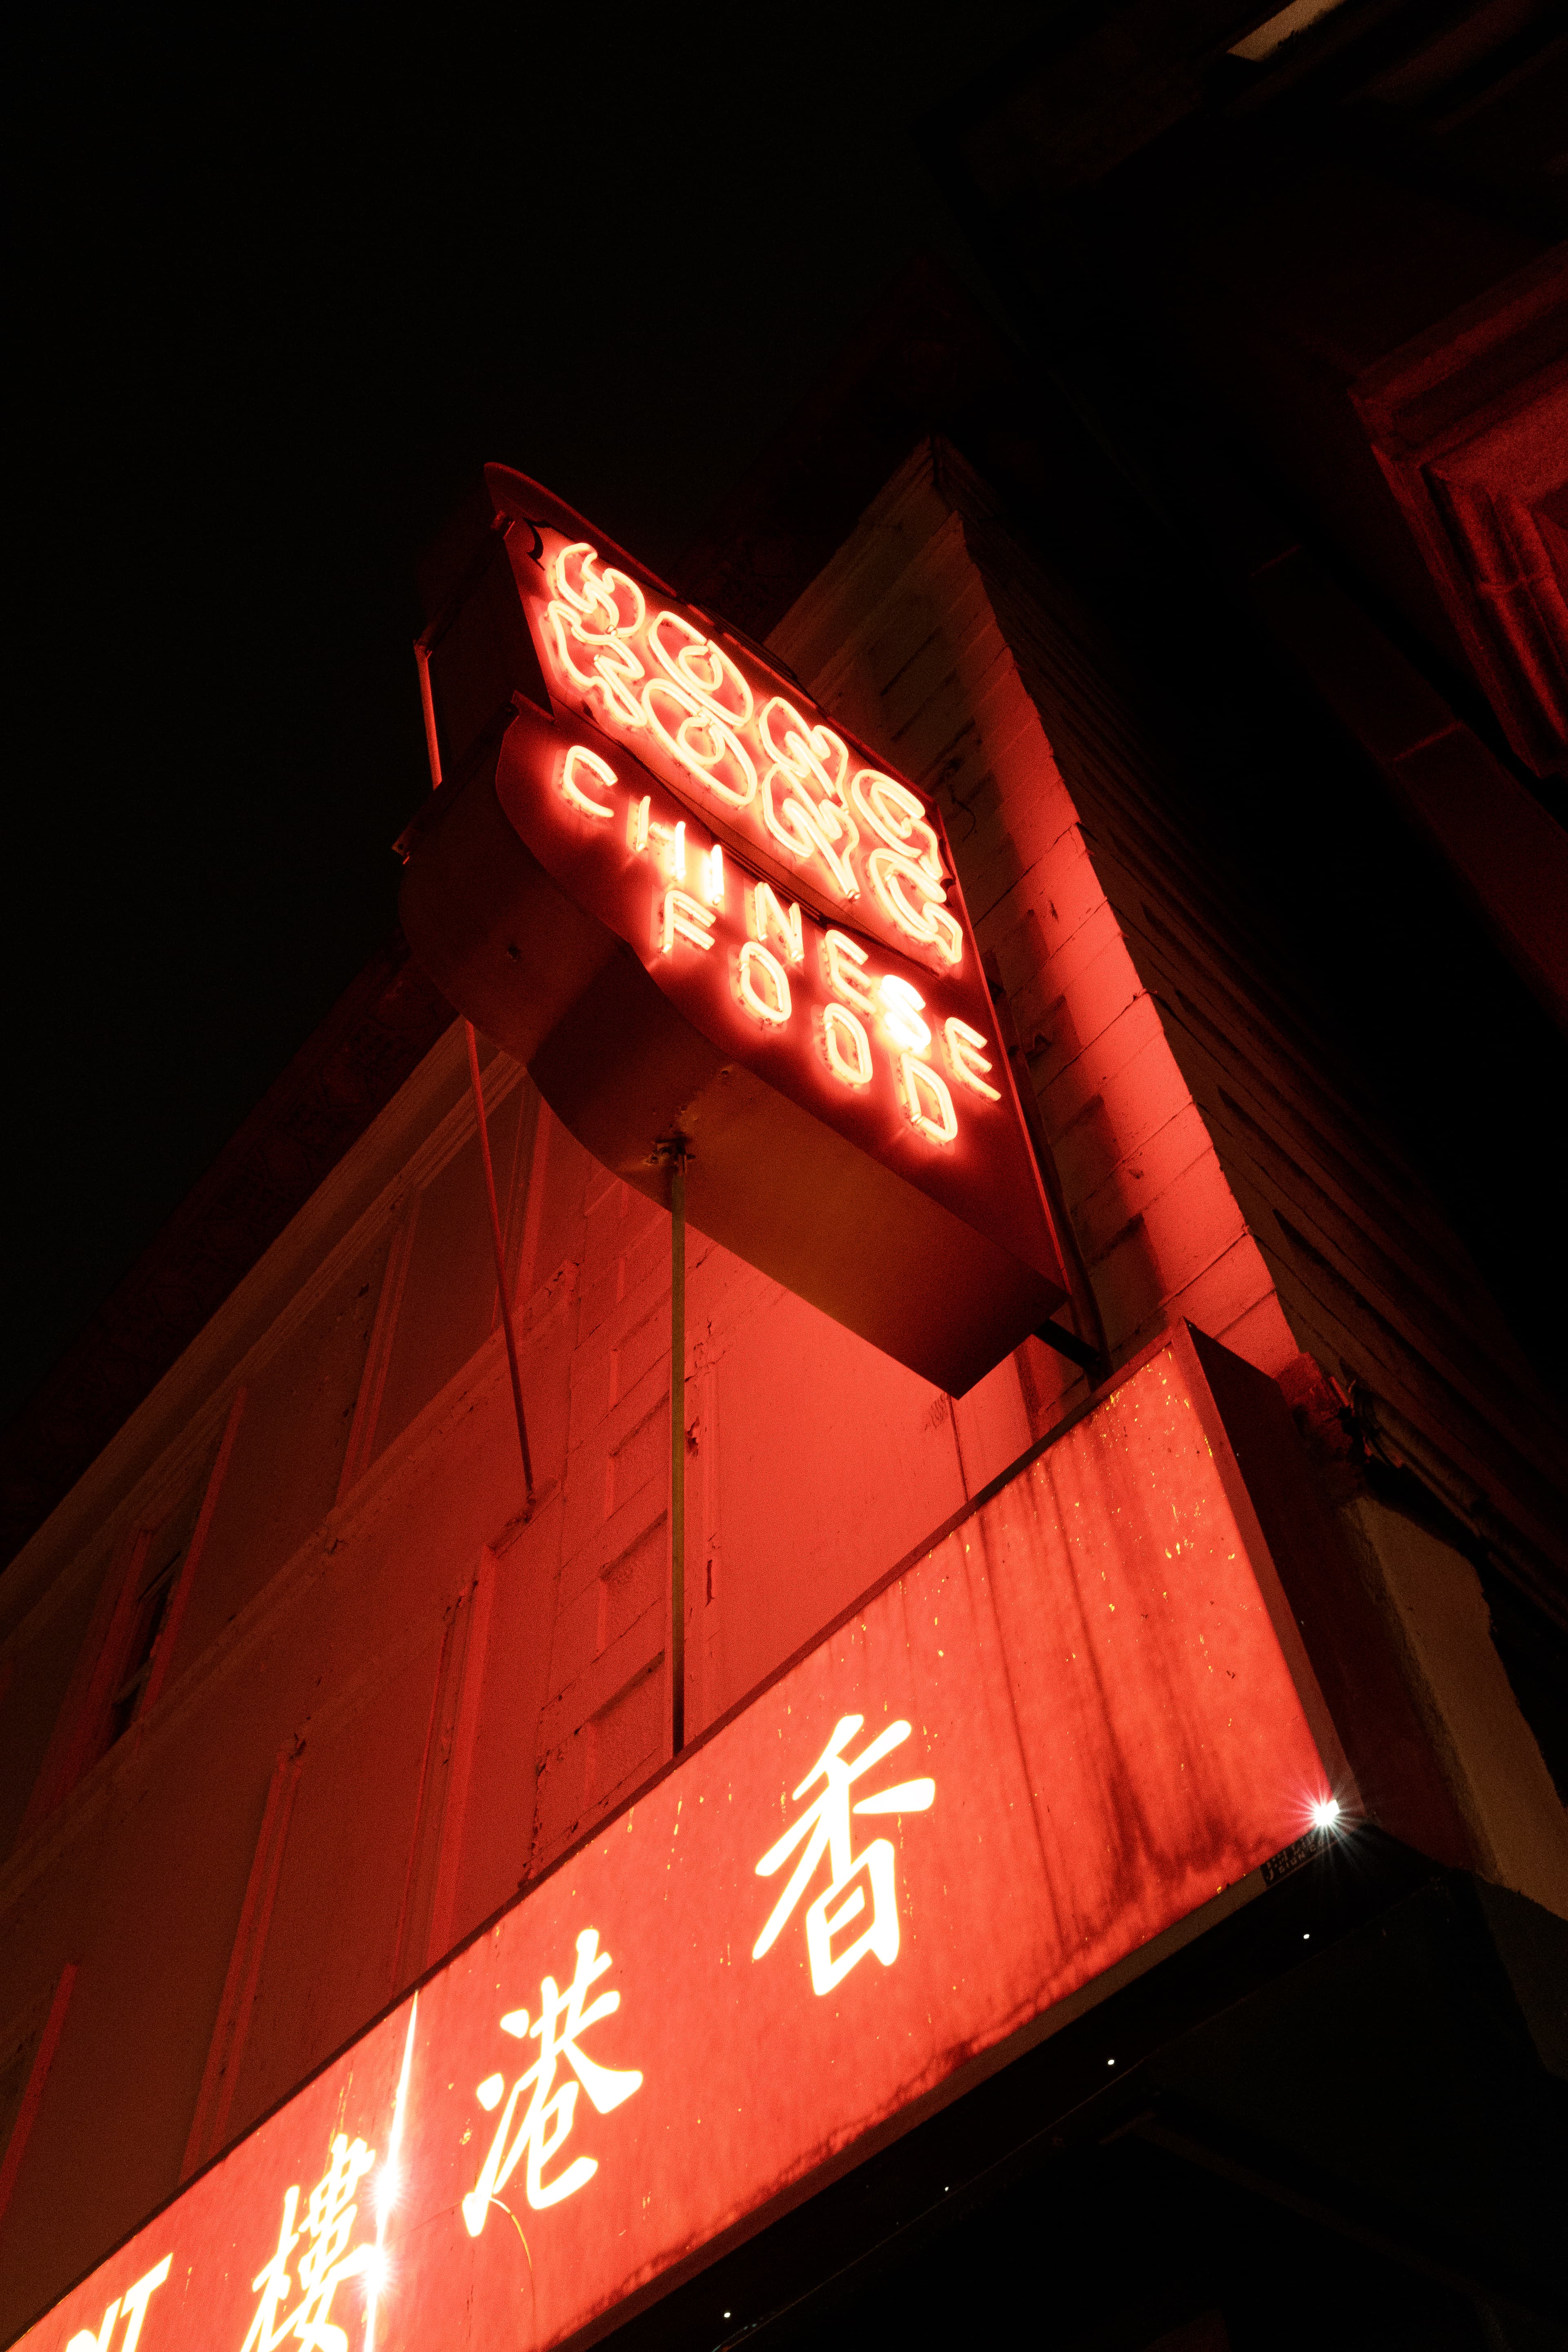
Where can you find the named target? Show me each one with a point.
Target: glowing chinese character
(131, 2308)
(825, 1829)
(330, 2212)
(558, 2030)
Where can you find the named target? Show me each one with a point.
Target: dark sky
(283, 287)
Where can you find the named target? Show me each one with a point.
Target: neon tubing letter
(600, 597)
(966, 1053)
(848, 1047)
(901, 1008)
(771, 1003)
(802, 749)
(891, 810)
(933, 1117)
(893, 874)
(810, 829)
(689, 917)
(674, 838)
(838, 952)
(765, 908)
(582, 762)
(696, 721)
(614, 671)
(701, 668)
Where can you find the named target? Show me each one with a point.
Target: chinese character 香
(825, 1829)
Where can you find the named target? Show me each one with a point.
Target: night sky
(282, 290)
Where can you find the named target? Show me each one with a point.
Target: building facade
(309, 1708)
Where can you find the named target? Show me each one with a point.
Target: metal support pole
(498, 1247)
(677, 1448)
(428, 705)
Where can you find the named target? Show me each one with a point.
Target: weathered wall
(381, 1699)
(1211, 1167)
(386, 1700)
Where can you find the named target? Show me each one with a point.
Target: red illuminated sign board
(1067, 1728)
(697, 909)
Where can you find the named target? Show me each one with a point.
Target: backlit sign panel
(712, 916)
(1068, 1727)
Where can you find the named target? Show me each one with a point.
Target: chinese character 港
(558, 2030)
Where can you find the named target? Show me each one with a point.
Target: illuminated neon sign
(707, 720)
(861, 1021)
(777, 968)
(1068, 1727)
(782, 789)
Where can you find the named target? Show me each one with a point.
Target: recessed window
(154, 1595)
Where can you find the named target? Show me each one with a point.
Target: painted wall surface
(1212, 1164)
(1065, 1728)
(387, 1703)
(384, 1705)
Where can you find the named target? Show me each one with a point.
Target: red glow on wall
(1067, 1727)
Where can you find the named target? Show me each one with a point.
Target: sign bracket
(1081, 1352)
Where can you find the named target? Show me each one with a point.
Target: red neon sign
(709, 721)
(832, 1061)
(1065, 1729)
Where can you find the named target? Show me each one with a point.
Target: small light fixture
(1111, 2062)
(1325, 1812)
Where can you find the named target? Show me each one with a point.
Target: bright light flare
(1325, 1812)
(377, 2264)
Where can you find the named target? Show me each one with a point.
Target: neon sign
(860, 1014)
(704, 718)
(1069, 1726)
(786, 791)
(811, 1000)
(704, 721)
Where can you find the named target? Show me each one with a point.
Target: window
(156, 1589)
(125, 1662)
